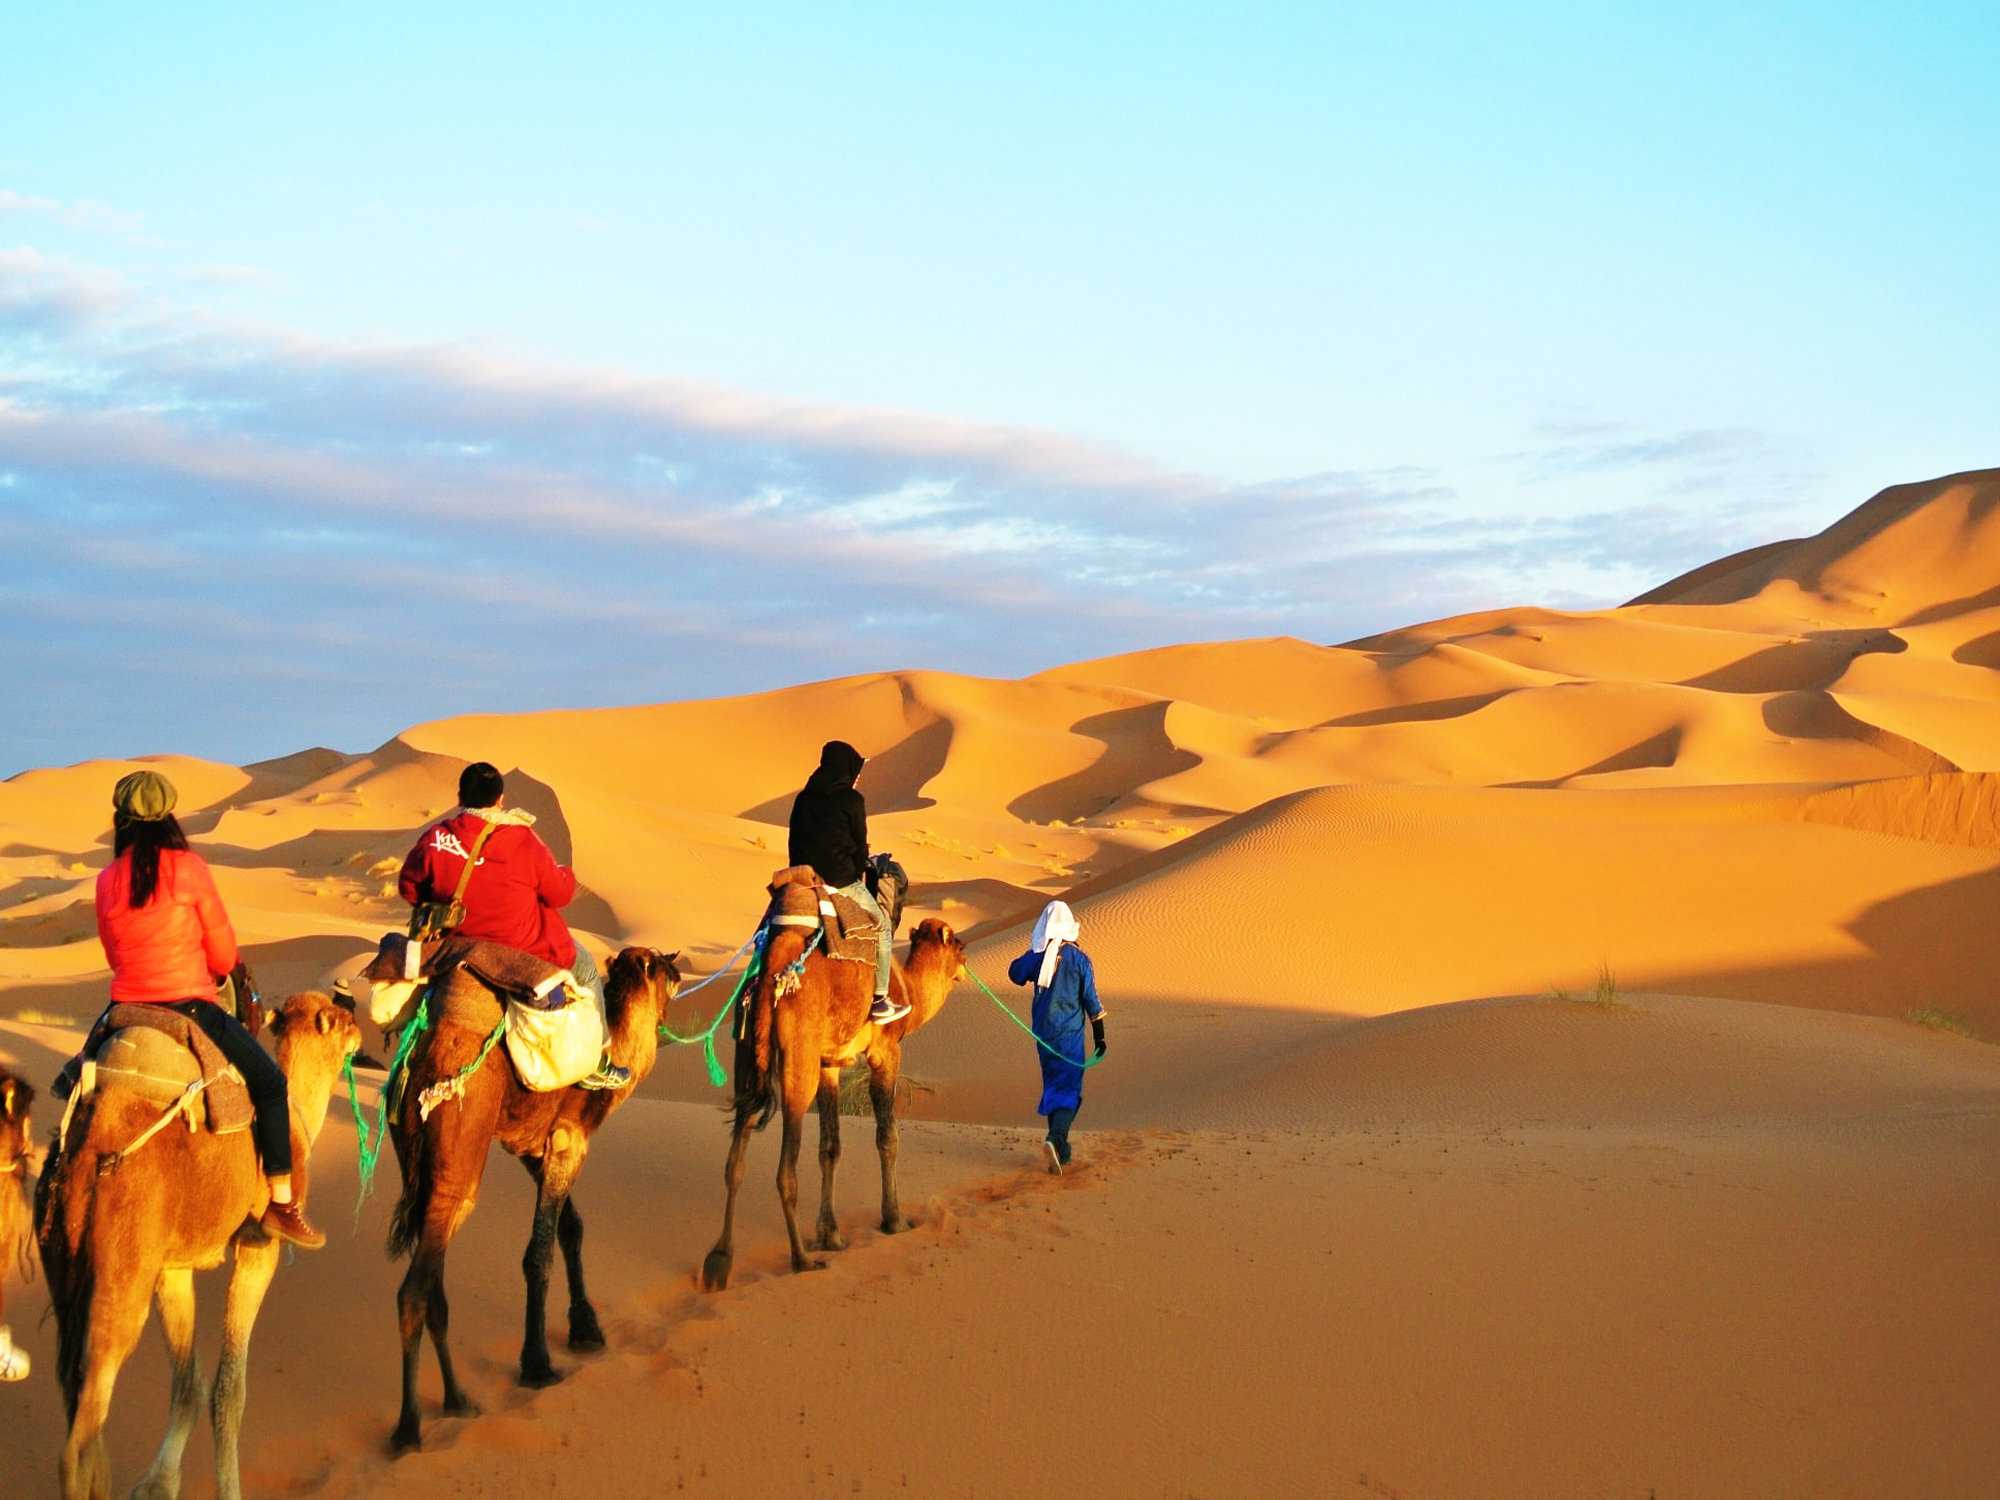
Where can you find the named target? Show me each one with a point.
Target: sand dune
(1363, 1134)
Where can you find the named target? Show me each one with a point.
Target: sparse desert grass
(854, 1098)
(1944, 1020)
(1604, 993)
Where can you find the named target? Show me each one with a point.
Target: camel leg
(554, 1173)
(715, 1267)
(827, 1235)
(800, 1083)
(585, 1335)
(175, 1297)
(882, 1094)
(421, 1305)
(117, 1316)
(249, 1280)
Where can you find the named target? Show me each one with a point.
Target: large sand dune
(1379, 1202)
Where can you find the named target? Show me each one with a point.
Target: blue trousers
(1059, 1120)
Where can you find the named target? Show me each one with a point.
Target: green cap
(144, 796)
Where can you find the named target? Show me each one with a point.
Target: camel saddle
(157, 1053)
(799, 898)
(555, 1028)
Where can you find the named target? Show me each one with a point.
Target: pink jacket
(172, 947)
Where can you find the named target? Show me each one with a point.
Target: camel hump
(157, 1063)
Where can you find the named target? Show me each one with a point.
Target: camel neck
(311, 1089)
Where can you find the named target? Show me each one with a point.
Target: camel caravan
(183, 1141)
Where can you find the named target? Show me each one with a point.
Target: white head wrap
(1056, 925)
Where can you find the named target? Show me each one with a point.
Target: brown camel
(793, 1049)
(17, 1150)
(116, 1235)
(444, 1157)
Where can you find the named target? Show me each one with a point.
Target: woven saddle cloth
(156, 1053)
(799, 898)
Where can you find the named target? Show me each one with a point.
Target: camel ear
(7, 1099)
(322, 1021)
(276, 1020)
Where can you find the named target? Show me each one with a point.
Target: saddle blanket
(800, 899)
(156, 1053)
(556, 1026)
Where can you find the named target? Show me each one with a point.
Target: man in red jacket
(515, 889)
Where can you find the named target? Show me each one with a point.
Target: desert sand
(1547, 1059)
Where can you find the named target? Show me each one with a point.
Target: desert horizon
(1550, 1054)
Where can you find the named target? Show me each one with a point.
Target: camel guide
(509, 886)
(1065, 996)
(829, 831)
(168, 940)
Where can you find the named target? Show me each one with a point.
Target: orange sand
(1349, 1220)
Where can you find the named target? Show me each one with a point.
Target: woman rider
(167, 937)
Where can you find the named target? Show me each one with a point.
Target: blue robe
(1059, 1016)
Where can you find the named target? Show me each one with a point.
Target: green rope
(1052, 1052)
(716, 1076)
(365, 1151)
(371, 1150)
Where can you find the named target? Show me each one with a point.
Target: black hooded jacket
(829, 826)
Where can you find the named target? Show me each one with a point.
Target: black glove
(1097, 1033)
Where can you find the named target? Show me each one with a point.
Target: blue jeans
(884, 938)
(585, 970)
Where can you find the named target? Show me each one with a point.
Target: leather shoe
(286, 1221)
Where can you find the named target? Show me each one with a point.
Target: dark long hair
(145, 838)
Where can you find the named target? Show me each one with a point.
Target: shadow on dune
(1818, 661)
(1935, 946)
(1137, 749)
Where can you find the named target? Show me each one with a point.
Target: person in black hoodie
(829, 831)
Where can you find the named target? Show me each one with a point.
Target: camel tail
(406, 1221)
(758, 1053)
(65, 1208)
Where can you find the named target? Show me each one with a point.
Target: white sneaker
(13, 1362)
(886, 1010)
(1055, 1161)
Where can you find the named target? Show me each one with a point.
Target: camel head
(933, 942)
(314, 1025)
(16, 1094)
(637, 972)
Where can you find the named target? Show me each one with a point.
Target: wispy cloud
(237, 540)
(85, 214)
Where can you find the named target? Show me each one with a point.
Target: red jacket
(172, 947)
(514, 890)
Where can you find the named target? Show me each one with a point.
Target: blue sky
(358, 367)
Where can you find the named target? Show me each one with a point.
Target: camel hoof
(540, 1379)
(897, 1225)
(406, 1440)
(833, 1241)
(715, 1271)
(586, 1334)
(464, 1406)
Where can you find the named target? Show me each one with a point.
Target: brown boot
(286, 1221)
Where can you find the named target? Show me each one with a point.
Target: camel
(17, 1150)
(117, 1233)
(792, 1050)
(444, 1157)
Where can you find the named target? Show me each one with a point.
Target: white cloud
(447, 527)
